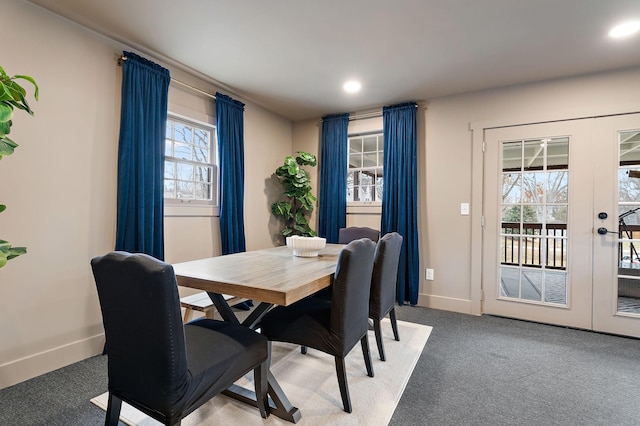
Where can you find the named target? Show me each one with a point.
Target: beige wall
(60, 188)
(451, 244)
(450, 168)
(306, 137)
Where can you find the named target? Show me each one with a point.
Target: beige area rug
(310, 383)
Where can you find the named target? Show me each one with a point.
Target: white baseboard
(31, 366)
(463, 306)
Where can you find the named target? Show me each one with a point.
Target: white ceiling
(293, 56)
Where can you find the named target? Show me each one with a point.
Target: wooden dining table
(271, 276)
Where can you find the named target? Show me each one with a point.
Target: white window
(190, 170)
(365, 172)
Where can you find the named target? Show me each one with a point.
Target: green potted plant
(12, 95)
(296, 203)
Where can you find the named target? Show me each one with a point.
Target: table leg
(279, 404)
(253, 320)
(223, 307)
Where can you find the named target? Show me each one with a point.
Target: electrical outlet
(429, 274)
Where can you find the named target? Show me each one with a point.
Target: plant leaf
(5, 128)
(6, 112)
(282, 209)
(32, 81)
(2, 208)
(301, 219)
(16, 251)
(17, 91)
(5, 93)
(7, 146)
(306, 159)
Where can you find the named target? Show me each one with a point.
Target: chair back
(145, 339)
(385, 275)
(351, 288)
(346, 235)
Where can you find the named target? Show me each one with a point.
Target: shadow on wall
(273, 190)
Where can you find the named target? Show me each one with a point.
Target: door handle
(604, 231)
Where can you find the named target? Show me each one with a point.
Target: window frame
(193, 207)
(362, 206)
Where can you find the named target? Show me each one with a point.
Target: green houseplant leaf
(12, 96)
(7, 146)
(7, 252)
(6, 113)
(296, 203)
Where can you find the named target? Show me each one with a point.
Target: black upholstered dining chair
(155, 363)
(383, 286)
(335, 326)
(346, 235)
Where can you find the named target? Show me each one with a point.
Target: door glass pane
(512, 156)
(510, 282)
(555, 287)
(511, 191)
(557, 153)
(557, 187)
(535, 194)
(532, 285)
(510, 250)
(534, 154)
(533, 187)
(629, 223)
(556, 248)
(533, 215)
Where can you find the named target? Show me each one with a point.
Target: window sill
(364, 208)
(194, 210)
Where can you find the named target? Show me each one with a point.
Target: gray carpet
(496, 371)
(473, 371)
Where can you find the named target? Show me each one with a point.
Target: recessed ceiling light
(352, 86)
(625, 29)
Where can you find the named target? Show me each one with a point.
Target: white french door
(546, 187)
(616, 264)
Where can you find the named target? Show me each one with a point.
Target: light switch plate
(429, 274)
(464, 209)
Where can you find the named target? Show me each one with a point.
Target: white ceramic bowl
(306, 246)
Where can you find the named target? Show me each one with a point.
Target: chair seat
(214, 361)
(306, 323)
(232, 347)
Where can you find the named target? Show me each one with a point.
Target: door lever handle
(604, 231)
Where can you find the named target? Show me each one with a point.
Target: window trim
(174, 207)
(364, 207)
